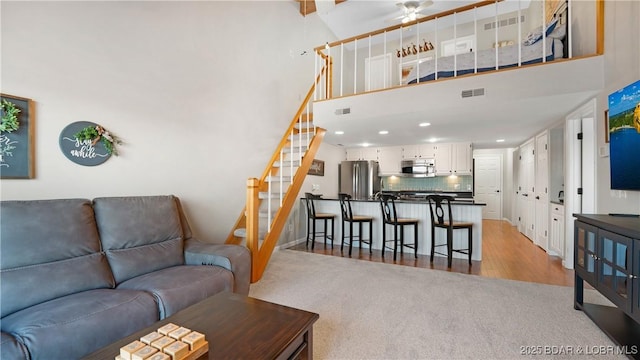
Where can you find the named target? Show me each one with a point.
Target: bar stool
(437, 203)
(390, 217)
(312, 216)
(347, 216)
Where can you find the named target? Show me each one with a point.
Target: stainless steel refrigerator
(359, 179)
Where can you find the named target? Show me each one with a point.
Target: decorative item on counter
(16, 138)
(88, 144)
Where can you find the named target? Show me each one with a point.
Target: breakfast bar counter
(465, 210)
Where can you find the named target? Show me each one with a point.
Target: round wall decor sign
(82, 152)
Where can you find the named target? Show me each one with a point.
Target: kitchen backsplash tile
(438, 183)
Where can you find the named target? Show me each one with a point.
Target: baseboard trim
(289, 244)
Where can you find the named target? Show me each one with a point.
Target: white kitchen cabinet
(443, 159)
(453, 159)
(556, 237)
(389, 158)
(420, 151)
(462, 155)
(362, 153)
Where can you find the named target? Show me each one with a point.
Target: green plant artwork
(9, 121)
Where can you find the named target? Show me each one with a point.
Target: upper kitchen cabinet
(443, 159)
(389, 158)
(362, 153)
(420, 151)
(453, 159)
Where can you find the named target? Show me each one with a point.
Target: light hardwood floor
(506, 254)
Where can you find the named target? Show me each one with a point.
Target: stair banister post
(252, 218)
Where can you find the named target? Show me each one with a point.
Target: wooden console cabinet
(607, 256)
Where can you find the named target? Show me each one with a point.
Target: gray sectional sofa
(76, 274)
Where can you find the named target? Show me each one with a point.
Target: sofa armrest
(234, 258)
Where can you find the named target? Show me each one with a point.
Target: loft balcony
(479, 68)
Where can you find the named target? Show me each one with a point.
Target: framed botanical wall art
(17, 137)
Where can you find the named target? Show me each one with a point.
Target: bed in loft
(529, 51)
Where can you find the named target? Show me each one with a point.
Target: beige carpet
(381, 311)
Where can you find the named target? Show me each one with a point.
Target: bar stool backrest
(388, 206)
(345, 206)
(437, 203)
(311, 208)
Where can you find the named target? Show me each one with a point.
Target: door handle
(537, 197)
(525, 194)
(497, 190)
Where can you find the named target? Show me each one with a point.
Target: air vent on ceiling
(472, 92)
(343, 111)
(503, 22)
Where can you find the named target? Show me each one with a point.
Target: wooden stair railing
(250, 217)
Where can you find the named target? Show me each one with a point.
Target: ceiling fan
(411, 10)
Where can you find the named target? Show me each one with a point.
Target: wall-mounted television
(624, 137)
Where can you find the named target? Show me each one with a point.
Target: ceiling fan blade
(395, 19)
(402, 6)
(424, 5)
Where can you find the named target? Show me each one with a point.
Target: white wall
(200, 92)
(621, 69)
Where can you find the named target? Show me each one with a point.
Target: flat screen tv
(624, 137)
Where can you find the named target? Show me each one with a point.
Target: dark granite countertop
(470, 201)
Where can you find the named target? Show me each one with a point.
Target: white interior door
(526, 189)
(488, 185)
(580, 171)
(377, 72)
(542, 191)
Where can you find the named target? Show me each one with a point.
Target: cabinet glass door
(615, 267)
(585, 238)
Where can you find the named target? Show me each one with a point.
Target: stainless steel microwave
(419, 167)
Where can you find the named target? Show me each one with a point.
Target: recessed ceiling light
(383, 132)
(424, 124)
(433, 140)
(365, 144)
(500, 140)
(339, 132)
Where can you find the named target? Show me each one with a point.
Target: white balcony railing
(484, 36)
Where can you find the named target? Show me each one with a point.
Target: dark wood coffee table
(238, 327)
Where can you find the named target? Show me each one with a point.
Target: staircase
(271, 197)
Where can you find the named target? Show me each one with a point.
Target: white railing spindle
(368, 74)
(496, 34)
(341, 66)
(544, 33)
(455, 44)
(519, 33)
(436, 52)
(475, 36)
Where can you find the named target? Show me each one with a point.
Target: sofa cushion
(67, 260)
(139, 234)
(178, 287)
(10, 348)
(76, 325)
(236, 259)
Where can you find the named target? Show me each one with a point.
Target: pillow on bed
(536, 34)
